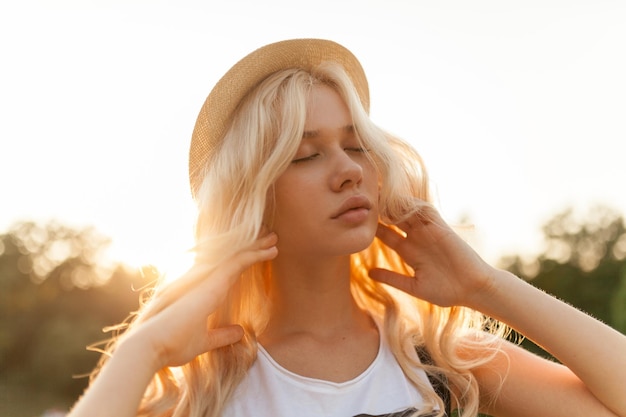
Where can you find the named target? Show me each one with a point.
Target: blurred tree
(584, 264)
(57, 293)
(618, 305)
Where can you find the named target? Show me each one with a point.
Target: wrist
(121, 384)
(488, 298)
(137, 350)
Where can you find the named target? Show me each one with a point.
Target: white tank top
(269, 390)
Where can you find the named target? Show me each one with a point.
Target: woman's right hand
(173, 333)
(178, 332)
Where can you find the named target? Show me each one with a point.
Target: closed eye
(306, 158)
(358, 149)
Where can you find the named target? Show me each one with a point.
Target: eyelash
(359, 149)
(306, 158)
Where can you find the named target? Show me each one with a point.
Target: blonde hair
(234, 201)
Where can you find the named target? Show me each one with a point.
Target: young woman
(326, 284)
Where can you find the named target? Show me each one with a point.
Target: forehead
(326, 110)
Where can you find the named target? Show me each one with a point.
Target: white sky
(517, 107)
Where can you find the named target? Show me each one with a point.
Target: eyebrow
(315, 133)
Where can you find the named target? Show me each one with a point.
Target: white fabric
(269, 390)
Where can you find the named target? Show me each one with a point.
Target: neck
(316, 328)
(312, 296)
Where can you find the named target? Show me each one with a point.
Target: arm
(593, 352)
(448, 272)
(172, 337)
(593, 377)
(118, 389)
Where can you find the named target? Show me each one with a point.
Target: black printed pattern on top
(406, 413)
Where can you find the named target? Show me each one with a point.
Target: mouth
(353, 203)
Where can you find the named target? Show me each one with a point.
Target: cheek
(372, 180)
(289, 201)
(295, 204)
(269, 214)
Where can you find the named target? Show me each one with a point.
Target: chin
(358, 243)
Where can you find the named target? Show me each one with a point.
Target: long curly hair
(235, 201)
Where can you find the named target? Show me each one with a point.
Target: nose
(347, 172)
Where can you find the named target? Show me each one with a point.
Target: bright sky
(517, 107)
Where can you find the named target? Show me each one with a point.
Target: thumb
(223, 336)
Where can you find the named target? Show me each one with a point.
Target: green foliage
(618, 303)
(57, 293)
(584, 264)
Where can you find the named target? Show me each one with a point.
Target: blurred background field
(57, 294)
(516, 107)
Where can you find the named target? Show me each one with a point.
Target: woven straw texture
(219, 106)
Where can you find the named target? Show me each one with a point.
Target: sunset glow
(517, 108)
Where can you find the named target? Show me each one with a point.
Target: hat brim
(218, 108)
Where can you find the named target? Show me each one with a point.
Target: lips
(355, 202)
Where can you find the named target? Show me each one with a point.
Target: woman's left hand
(447, 271)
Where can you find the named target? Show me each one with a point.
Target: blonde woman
(326, 284)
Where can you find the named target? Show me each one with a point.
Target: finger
(399, 281)
(223, 336)
(397, 242)
(267, 240)
(430, 215)
(423, 216)
(406, 225)
(389, 236)
(213, 281)
(413, 224)
(264, 249)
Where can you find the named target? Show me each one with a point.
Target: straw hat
(219, 106)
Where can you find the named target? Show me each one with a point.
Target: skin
(315, 328)
(448, 272)
(315, 315)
